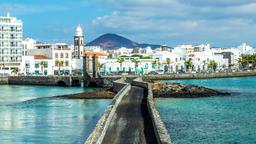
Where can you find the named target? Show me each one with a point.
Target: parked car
(180, 72)
(153, 73)
(160, 71)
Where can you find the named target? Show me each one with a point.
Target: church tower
(78, 43)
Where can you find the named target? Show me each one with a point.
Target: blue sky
(223, 23)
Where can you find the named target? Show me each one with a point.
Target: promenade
(131, 122)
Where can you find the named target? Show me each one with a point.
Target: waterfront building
(94, 49)
(147, 51)
(38, 64)
(10, 44)
(58, 57)
(27, 44)
(78, 43)
(184, 49)
(245, 49)
(62, 57)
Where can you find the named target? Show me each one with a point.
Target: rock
(184, 91)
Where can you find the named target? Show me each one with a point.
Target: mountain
(114, 41)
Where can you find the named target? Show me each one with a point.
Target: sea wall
(160, 130)
(197, 76)
(40, 80)
(101, 127)
(3, 80)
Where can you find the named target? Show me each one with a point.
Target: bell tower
(78, 43)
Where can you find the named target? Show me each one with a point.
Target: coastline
(197, 76)
(99, 94)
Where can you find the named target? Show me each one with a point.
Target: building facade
(10, 44)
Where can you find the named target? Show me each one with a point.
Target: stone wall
(119, 84)
(197, 76)
(3, 80)
(102, 125)
(160, 130)
(40, 80)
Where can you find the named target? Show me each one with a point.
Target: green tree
(14, 71)
(188, 64)
(120, 61)
(136, 62)
(168, 61)
(213, 65)
(59, 63)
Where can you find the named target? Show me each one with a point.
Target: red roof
(41, 56)
(94, 53)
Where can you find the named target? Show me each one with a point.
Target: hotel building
(10, 44)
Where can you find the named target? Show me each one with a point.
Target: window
(46, 65)
(37, 65)
(66, 55)
(67, 63)
(61, 55)
(56, 55)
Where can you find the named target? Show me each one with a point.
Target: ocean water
(29, 115)
(213, 120)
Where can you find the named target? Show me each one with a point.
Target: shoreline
(197, 76)
(98, 94)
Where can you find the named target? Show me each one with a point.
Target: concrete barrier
(160, 130)
(96, 137)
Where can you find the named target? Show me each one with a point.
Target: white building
(10, 43)
(37, 65)
(62, 57)
(245, 49)
(27, 44)
(57, 56)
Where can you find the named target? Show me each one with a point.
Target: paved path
(131, 123)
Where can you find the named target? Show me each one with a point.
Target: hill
(114, 41)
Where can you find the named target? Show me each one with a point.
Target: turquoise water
(213, 120)
(28, 115)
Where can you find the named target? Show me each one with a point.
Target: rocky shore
(177, 90)
(99, 94)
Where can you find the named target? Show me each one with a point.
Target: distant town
(26, 56)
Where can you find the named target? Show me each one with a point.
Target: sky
(222, 23)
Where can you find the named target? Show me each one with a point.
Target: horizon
(221, 24)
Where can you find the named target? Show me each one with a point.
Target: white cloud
(180, 21)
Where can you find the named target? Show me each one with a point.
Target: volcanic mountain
(114, 41)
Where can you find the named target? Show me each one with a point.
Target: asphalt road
(131, 123)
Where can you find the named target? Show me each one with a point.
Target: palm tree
(204, 64)
(154, 64)
(168, 61)
(14, 71)
(120, 61)
(213, 65)
(59, 64)
(136, 62)
(188, 63)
